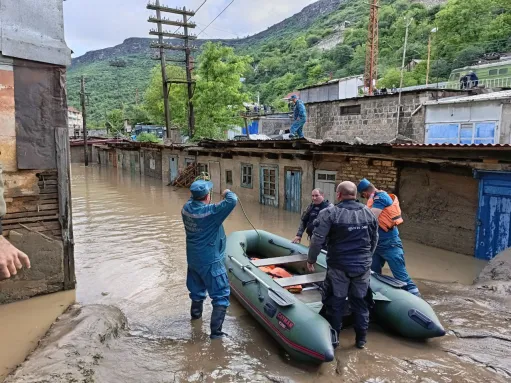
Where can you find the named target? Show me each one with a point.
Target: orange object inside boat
(279, 272)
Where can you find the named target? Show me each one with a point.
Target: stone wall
(377, 120)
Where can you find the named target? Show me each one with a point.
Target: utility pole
(408, 23)
(191, 115)
(84, 116)
(429, 54)
(186, 48)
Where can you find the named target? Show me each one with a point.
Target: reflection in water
(130, 253)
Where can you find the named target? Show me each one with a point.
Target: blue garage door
(494, 216)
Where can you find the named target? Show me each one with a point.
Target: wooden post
(84, 116)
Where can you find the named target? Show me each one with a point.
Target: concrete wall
(439, 208)
(268, 125)
(252, 194)
(151, 162)
(377, 121)
(77, 154)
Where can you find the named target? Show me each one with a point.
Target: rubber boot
(217, 320)
(360, 340)
(196, 310)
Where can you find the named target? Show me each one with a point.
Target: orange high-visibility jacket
(390, 216)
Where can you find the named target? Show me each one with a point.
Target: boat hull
(298, 327)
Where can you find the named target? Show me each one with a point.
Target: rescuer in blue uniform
(205, 248)
(386, 208)
(299, 118)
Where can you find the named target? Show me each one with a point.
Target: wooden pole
(163, 72)
(84, 116)
(191, 114)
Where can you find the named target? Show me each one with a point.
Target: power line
(228, 5)
(197, 10)
(218, 29)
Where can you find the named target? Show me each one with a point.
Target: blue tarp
(253, 128)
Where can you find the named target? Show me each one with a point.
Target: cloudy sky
(96, 24)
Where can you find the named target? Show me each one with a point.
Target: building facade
(454, 197)
(373, 119)
(34, 146)
(74, 122)
(480, 119)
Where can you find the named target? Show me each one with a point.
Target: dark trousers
(340, 285)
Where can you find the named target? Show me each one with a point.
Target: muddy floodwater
(131, 322)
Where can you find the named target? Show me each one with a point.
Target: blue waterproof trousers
(391, 250)
(296, 129)
(211, 279)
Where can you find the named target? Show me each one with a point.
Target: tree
(115, 121)
(392, 79)
(137, 115)
(153, 102)
(218, 95)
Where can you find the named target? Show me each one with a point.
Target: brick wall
(377, 120)
(383, 174)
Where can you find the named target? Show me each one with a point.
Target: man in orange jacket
(390, 248)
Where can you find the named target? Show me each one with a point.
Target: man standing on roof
(309, 216)
(351, 230)
(390, 248)
(205, 250)
(299, 118)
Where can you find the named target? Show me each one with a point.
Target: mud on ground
(95, 344)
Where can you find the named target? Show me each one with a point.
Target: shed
(481, 119)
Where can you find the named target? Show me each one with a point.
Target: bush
(148, 137)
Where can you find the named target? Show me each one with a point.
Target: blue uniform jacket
(300, 113)
(205, 235)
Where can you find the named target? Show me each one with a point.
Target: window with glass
(269, 182)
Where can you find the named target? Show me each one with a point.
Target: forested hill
(325, 39)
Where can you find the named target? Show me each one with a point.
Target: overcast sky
(96, 24)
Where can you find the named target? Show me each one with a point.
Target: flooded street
(131, 322)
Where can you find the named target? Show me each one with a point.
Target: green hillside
(325, 39)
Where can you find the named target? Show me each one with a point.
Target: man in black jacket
(311, 213)
(351, 231)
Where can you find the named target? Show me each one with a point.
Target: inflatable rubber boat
(255, 262)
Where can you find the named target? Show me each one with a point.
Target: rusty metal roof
(433, 146)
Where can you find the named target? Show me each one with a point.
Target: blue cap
(201, 189)
(363, 185)
(294, 97)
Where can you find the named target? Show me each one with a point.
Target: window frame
(227, 181)
(247, 185)
(347, 110)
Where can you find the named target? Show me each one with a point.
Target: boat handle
(246, 269)
(335, 337)
(243, 282)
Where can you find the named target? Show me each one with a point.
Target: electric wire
(228, 5)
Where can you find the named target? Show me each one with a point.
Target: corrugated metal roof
(505, 94)
(487, 146)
